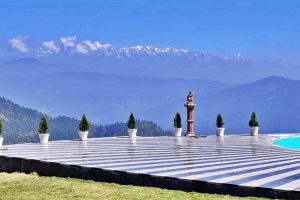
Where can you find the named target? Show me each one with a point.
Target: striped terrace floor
(234, 159)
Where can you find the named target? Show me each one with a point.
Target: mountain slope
(275, 100)
(20, 125)
(105, 98)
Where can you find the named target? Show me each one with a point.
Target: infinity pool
(291, 142)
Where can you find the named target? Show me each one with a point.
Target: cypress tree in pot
(84, 127)
(220, 129)
(253, 124)
(43, 127)
(177, 125)
(131, 126)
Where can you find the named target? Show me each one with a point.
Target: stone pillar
(190, 105)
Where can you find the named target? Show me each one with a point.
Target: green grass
(32, 186)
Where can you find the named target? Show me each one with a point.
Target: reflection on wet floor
(242, 160)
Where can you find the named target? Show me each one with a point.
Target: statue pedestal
(190, 134)
(190, 119)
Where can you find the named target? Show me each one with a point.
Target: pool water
(291, 142)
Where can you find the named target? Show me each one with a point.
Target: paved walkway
(241, 160)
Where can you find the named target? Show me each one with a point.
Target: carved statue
(190, 97)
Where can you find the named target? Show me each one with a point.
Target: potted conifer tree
(1, 133)
(177, 125)
(43, 127)
(253, 124)
(220, 129)
(84, 127)
(131, 126)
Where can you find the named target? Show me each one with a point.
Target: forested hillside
(20, 125)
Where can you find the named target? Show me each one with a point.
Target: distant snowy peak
(150, 51)
(238, 56)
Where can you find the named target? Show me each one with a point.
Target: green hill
(20, 125)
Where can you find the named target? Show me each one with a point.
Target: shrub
(253, 121)
(131, 122)
(177, 121)
(220, 122)
(84, 124)
(43, 126)
(1, 128)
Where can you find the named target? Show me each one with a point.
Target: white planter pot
(254, 130)
(132, 132)
(83, 135)
(44, 138)
(220, 132)
(177, 132)
(1, 141)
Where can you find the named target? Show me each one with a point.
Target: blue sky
(259, 29)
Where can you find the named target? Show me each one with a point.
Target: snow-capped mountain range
(141, 50)
(70, 45)
(69, 53)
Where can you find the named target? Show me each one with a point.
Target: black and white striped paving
(241, 160)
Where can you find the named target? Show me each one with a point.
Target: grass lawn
(32, 186)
